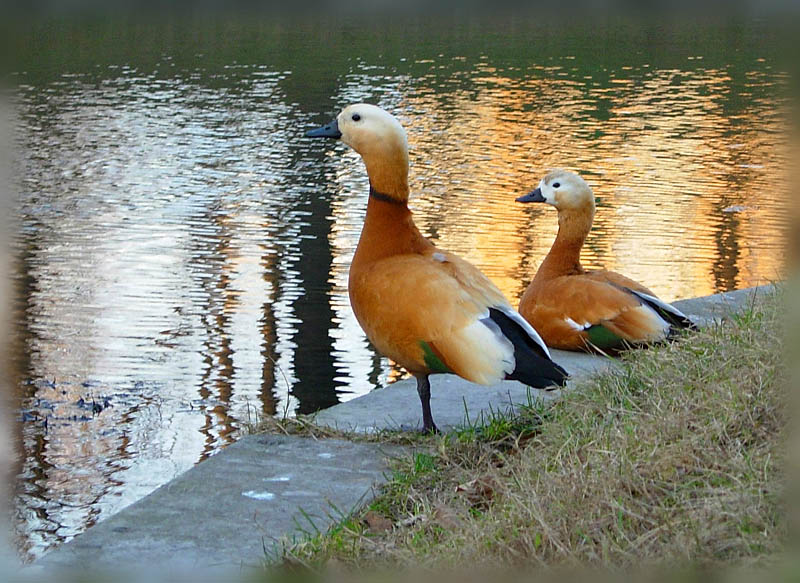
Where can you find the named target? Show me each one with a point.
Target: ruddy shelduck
(576, 309)
(426, 309)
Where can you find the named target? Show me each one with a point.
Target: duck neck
(389, 230)
(564, 257)
(388, 174)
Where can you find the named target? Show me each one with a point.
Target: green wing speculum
(432, 361)
(602, 337)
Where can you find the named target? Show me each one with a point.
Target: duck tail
(534, 367)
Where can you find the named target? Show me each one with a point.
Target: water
(183, 251)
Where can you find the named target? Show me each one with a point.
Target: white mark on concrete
(278, 479)
(259, 495)
(440, 257)
(298, 493)
(326, 456)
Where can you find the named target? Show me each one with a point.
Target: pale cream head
(566, 190)
(370, 130)
(382, 142)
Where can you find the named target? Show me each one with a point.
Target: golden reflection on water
(191, 262)
(665, 166)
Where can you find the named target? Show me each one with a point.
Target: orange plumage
(575, 309)
(427, 309)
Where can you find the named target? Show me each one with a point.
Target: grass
(676, 459)
(303, 425)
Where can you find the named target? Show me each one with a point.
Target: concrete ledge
(713, 308)
(228, 510)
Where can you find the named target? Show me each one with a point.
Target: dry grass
(304, 426)
(675, 460)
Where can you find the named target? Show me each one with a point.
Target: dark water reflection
(183, 252)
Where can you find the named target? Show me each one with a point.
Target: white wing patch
(573, 324)
(660, 325)
(440, 257)
(480, 352)
(499, 339)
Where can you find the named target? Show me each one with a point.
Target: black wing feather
(533, 367)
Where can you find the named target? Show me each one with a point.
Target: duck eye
(356, 117)
(556, 184)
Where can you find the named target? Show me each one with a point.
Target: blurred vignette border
(6, 392)
(356, 10)
(562, 12)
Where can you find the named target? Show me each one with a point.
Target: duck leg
(424, 390)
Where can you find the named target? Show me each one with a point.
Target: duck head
(564, 190)
(380, 139)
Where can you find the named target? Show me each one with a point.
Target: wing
(573, 311)
(604, 276)
(670, 313)
(433, 313)
(533, 364)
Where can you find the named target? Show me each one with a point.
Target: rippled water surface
(183, 251)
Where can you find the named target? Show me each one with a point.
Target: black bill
(330, 130)
(532, 196)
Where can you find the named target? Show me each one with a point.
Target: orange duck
(426, 309)
(575, 309)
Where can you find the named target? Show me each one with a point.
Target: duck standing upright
(426, 309)
(575, 309)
